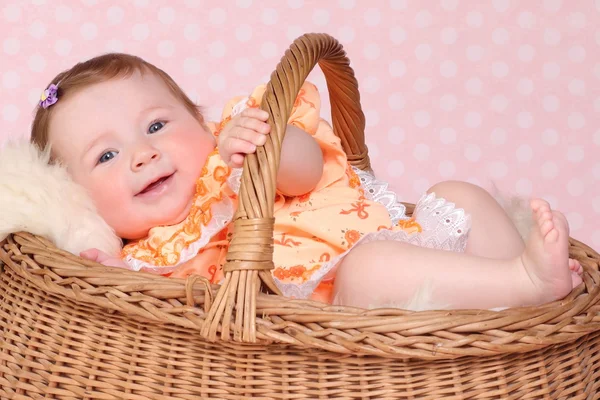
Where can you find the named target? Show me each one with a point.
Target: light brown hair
(100, 69)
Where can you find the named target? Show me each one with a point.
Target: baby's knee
(458, 191)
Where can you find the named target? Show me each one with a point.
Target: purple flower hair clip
(50, 96)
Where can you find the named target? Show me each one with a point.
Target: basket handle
(250, 256)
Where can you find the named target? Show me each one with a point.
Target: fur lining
(42, 199)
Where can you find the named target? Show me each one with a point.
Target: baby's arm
(301, 164)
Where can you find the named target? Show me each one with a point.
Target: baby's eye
(156, 126)
(109, 155)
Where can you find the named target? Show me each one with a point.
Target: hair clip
(49, 96)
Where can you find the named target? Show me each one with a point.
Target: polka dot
(140, 32)
(242, 66)
(422, 85)
(371, 51)
(396, 101)
(12, 13)
(423, 19)
(577, 20)
(472, 152)
(597, 70)
(501, 5)
(552, 36)
(525, 86)
(371, 84)
(448, 69)
(167, 15)
(422, 119)
(372, 118)
(63, 47)
(37, 63)
(449, 5)
(217, 49)
(597, 104)
(243, 33)
(447, 135)
(448, 102)
(192, 32)
(473, 119)
(577, 54)
(526, 53)
(397, 68)
(166, 48)
(89, 31)
(474, 86)
(596, 171)
(524, 187)
(499, 103)
(268, 50)
(474, 19)
(10, 113)
(320, 17)
(577, 87)
(90, 2)
(551, 70)
(11, 80)
(423, 52)
(552, 200)
(217, 16)
(38, 2)
(346, 34)
(193, 3)
(397, 34)
(549, 170)
(597, 138)
(141, 3)
(373, 149)
(596, 204)
(293, 32)
(37, 29)
(115, 15)
(499, 69)
(447, 169)
(550, 137)
(497, 169)
(420, 185)
(526, 20)
(248, 3)
(525, 120)
(551, 103)
(395, 168)
(421, 152)
(396, 135)
(500, 36)
(449, 35)
(552, 5)
(63, 14)
(398, 4)
(576, 120)
(575, 187)
(474, 53)
(114, 46)
(372, 17)
(498, 136)
(575, 153)
(192, 66)
(217, 82)
(524, 153)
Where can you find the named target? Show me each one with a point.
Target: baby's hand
(103, 258)
(242, 134)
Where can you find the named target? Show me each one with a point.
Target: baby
(165, 180)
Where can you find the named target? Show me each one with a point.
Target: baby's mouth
(155, 184)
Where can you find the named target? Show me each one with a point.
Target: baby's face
(135, 148)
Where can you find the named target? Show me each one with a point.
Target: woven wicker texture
(72, 329)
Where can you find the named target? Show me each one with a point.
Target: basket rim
(385, 332)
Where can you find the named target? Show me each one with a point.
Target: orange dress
(311, 234)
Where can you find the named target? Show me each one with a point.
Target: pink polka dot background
(500, 92)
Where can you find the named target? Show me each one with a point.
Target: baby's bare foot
(546, 257)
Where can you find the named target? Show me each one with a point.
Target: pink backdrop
(501, 91)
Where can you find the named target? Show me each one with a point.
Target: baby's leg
(391, 273)
(493, 234)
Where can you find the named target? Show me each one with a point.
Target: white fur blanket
(41, 199)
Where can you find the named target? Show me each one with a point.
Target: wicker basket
(72, 329)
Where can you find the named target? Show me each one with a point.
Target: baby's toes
(537, 204)
(575, 266)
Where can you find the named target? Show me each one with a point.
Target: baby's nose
(144, 157)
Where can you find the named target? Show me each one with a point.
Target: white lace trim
(377, 190)
(222, 216)
(444, 227)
